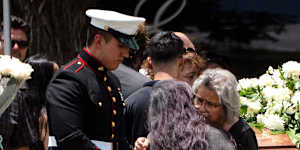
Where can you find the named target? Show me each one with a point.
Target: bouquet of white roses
(13, 73)
(273, 100)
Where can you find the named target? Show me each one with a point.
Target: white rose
(247, 83)
(277, 94)
(269, 93)
(265, 80)
(277, 79)
(277, 107)
(273, 122)
(284, 93)
(260, 118)
(270, 70)
(291, 109)
(243, 100)
(253, 107)
(10, 66)
(296, 98)
(291, 68)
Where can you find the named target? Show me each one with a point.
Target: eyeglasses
(21, 44)
(204, 102)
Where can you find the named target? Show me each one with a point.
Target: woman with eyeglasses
(175, 124)
(216, 97)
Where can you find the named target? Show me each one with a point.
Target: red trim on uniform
(97, 72)
(71, 64)
(79, 68)
(88, 52)
(96, 148)
(84, 62)
(92, 56)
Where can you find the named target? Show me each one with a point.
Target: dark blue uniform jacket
(84, 103)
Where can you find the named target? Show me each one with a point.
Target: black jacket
(84, 102)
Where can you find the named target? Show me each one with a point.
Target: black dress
(244, 135)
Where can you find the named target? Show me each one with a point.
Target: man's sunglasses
(191, 50)
(21, 44)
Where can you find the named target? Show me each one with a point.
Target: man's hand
(142, 143)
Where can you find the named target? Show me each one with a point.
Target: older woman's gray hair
(175, 124)
(224, 84)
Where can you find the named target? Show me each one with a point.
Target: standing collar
(150, 83)
(88, 59)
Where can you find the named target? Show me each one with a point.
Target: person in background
(193, 65)
(174, 123)
(127, 72)
(27, 133)
(20, 37)
(36, 87)
(84, 99)
(165, 50)
(217, 99)
(12, 120)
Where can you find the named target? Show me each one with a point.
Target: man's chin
(16, 55)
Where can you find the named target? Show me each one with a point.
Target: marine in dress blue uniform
(84, 99)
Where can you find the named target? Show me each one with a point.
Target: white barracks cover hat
(122, 26)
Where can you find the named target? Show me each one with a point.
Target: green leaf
(295, 137)
(257, 125)
(243, 109)
(277, 132)
(281, 73)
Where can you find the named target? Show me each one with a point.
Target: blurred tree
(58, 26)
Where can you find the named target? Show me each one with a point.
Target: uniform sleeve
(65, 112)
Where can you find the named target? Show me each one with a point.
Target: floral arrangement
(273, 100)
(13, 73)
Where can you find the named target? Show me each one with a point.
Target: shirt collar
(91, 61)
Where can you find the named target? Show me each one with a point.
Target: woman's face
(207, 102)
(188, 73)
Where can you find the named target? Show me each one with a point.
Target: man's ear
(180, 61)
(99, 40)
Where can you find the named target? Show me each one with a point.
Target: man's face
(112, 54)
(19, 44)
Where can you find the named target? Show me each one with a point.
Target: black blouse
(244, 135)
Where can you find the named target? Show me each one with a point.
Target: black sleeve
(65, 112)
(136, 113)
(248, 141)
(8, 122)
